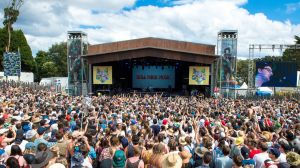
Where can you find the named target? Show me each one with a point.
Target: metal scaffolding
(260, 47)
(77, 67)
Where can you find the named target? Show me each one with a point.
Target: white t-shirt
(86, 163)
(260, 159)
(282, 158)
(22, 146)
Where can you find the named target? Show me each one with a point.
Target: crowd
(41, 129)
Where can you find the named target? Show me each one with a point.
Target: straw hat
(36, 120)
(241, 134)
(172, 160)
(26, 117)
(267, 135)
(200, 151)
(182, 141)
(170, 132)
(293, 158)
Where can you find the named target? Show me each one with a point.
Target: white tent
(242, 91)
(244, 86)
(264, 91)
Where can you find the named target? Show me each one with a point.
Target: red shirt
(254, 152)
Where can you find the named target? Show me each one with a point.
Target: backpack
(192, 160)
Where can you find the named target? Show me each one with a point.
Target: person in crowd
(40, 128)
(224, 161)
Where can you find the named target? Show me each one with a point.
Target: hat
(77, 158)
(165, 122)
(36, 120)
(171, 160)
(200, 151)
(124, 142)
(68, 118)
(182, 141)
(245, 152)
(29, 158)
(3, 130)
(293, 158)
(18, 141)
(223, 135)
(30, 145)
(241, 134)
(30, 134)
(170, 132)
(275, 152)
(42, 159)
(26, 117)
(119, 159)
(239, 141)
(119, 121)
(267, 135)
(41, 130)
(133, 122)
(57, 165)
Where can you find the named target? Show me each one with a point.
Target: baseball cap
(275, 152)
(41, 130)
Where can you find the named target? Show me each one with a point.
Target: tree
(11, 14)
(58, 54)
(242, 71)
(27, 60)
(49, 69)
(18, 42)
(293, 55)
(41, 58)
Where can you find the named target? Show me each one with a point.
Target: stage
(151, 66)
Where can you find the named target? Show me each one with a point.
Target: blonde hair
(62, 160)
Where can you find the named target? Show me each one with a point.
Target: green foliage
(242, 71)
(58, 54)
(11, 12)
(49, 69)
(292, 54)
(55, 57)
(40, 59)
(18, 41)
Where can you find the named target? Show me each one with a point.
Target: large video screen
(102, 75)
(153, 77)
(198, 75)
(276, 74)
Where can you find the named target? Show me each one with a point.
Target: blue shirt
(248, 162)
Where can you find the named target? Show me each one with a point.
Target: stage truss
(259, 47)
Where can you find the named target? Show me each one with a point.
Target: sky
(46, 22)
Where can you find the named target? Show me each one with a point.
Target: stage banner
(276, 74)
(149, 77)
(198, 75)
(102, 75)
(298, 78)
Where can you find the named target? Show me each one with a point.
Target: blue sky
(281, 10)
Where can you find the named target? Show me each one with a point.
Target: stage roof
(151, 47)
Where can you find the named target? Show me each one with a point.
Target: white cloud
(47, 22)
